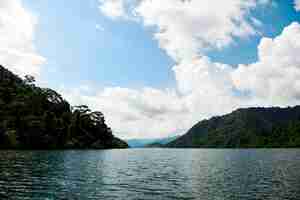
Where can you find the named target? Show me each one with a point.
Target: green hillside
(245, 128)
(39, 118)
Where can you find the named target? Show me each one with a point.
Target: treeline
(39, 118)
(246, 128)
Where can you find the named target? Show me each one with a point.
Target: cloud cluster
(186, 29)
(275, 77)
(17, 27)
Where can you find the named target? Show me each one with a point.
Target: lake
(151, 174)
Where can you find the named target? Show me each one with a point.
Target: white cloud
(275, 77)
(17, 27)
(185, 28)
(297, 5)
(113, 8)
(136, 113)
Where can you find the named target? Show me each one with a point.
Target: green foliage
(246, 128)
(39, 118)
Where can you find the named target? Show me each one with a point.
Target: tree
(28, 79)
(34, 117)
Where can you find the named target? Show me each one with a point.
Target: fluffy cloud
(17, 27)
(186, 30)
(275, 78)
(297, 5)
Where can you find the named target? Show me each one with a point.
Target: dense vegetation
(39, 118)
(252, 127)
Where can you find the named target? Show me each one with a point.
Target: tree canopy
(39, 118)
(246, 128)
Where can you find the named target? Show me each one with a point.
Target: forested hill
(39, 118)
(252, 127)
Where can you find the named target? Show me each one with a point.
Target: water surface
(151, 174)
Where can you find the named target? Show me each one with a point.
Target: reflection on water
(151, 174)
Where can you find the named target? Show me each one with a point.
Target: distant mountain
(39, 118)
(140, 143)
(243, 128)
(161, 142)
(155, 145)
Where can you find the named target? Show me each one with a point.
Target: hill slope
(39, 118)
(252, 127)
(161, 142)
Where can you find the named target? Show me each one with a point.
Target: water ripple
(151, 174)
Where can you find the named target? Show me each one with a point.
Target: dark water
(151, 174)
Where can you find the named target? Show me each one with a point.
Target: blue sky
(124, 53)
(274, 20)
(154, 68)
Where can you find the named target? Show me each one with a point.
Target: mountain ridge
(245, 128)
